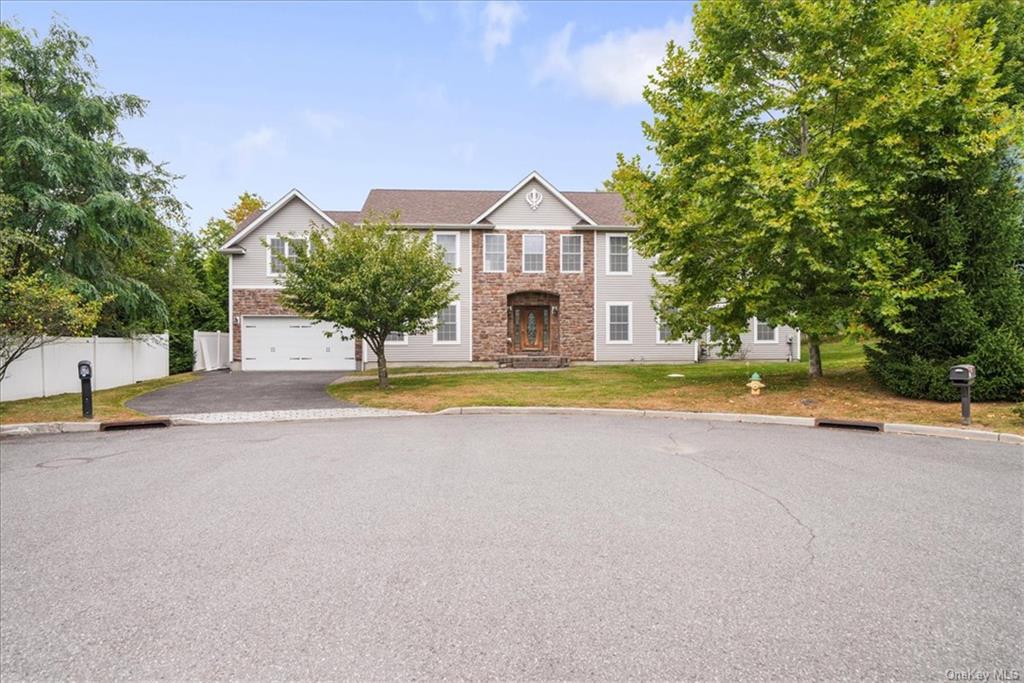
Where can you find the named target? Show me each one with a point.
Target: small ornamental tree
(35, 308)
(369, 281)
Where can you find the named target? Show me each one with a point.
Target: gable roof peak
(535, 176)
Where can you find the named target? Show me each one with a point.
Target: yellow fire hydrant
(756, 384)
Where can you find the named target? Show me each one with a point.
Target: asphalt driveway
(508, 547)
(223, 392)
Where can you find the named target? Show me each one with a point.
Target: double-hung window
(280, 249)
(765, 333)
(494, 253)
(449, 241)
(397, 338)
(665, 335)
(618, 255)
(620, 322)
(572, 253)
(447, 330)
(533, 253)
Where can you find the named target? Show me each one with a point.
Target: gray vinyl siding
(551, 213)
(760, 351)
(421, 347)
(636, 289)
(250, 269)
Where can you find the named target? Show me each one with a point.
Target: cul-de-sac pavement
(509, 546)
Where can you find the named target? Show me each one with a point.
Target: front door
(532, 327)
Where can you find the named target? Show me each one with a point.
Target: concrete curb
(747, 418)
(48, 428)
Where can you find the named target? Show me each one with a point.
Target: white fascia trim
(543, 255)
(258, 287)
(547, 186)
(271, 210)
(773, 340)
(608, 254)
(561, 253)
(458, 245)
(504, 252)
(458, 327)
(231, 310)
(608, 322)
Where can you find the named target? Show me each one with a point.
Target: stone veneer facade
(572, 328)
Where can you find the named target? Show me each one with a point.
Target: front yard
(107, 404)
(846, 391)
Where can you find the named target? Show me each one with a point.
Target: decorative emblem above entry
(534, 198)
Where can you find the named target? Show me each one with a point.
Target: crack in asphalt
(812, 536)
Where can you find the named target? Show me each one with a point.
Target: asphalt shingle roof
(460, 207)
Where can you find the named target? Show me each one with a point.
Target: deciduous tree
(370, 281)
(788, 138)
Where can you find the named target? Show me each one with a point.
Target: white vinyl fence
(53, 368)
(210, 349)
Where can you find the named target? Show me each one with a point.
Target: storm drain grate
(855, 425)
(121, 425)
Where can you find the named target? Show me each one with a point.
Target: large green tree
(215, 264)
(788, 138)
(370, 281)
(85, 208)
(972, 223)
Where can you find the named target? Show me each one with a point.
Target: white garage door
(279, 343)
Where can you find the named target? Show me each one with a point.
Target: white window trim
(504, 252)
(404, 342)
(608, 254)
(709, 340)
(608, 322)
(657, 334)
(458, 246)
(543, 254)
(458, 327)
(287, 247)
(561, 253)
(773, 340)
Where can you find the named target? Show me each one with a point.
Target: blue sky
(337, 98)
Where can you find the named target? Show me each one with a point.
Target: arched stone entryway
(533, 323)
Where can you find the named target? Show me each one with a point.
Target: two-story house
(544, 277)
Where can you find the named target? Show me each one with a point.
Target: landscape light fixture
(85, 374)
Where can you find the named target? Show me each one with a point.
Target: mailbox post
(85, 374)
(963, 376)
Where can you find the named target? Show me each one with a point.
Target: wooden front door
(532, 322)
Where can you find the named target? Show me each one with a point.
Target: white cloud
(323, 122)
(254, 146)
(499, 17)
(259, 140)
(615, 67)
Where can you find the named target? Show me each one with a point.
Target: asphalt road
(509, 547)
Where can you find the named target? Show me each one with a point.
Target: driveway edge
(748, 418)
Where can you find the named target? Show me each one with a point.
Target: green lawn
(107, 404)
(846, 391)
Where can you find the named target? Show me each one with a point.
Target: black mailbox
(962, 375)
(85, 374)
